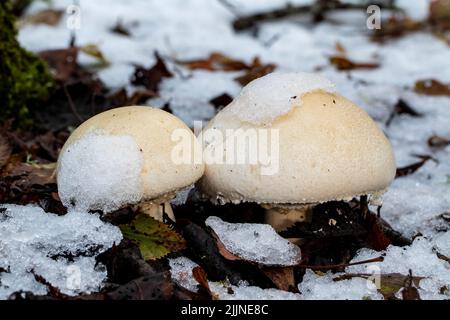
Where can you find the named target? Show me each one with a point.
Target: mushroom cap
(127, 153)
(329, 149)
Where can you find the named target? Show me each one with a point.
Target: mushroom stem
(156, 210)
(281, 218)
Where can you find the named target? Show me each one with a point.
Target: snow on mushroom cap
(267, 98)
(123, 156)
(100, 172)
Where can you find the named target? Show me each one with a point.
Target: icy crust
(267, 98)
(61, 249)
(100, 172)
(255, 242)
(181, 272)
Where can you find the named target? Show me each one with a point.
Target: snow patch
(100, 172)
(323, 287)
(255, 242)
(267, 98)
(61, 249)
(181, 272)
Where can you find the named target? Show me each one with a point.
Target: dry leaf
(343, 63)
(151, 78)
(50, 17)
(282, 277)
(215, 61)
(93, 51)
(405, 171)
(439, 142)
(5, 150)
(432, 87)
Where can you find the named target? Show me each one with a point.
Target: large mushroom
(126, 156)
(325, 148)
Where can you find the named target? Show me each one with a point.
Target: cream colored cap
(329, 149)
(123, 156)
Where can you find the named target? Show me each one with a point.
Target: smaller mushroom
(328, 149)
(126, 156)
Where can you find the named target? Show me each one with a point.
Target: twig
(318, 9)
(336, 266)
(72, 105)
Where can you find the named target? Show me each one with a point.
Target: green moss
(24, 78)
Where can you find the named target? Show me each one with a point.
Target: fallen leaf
(62, 63)
(5, 150)
(345, 64)
(439, 13)
(439, 142)
(151, 78)
(396, 27)
(402, 107)
(409, 291)
(431, 87)
(49, 17)
(221, 100)
(120, 28)
(405, 171)
(94, 51)
(282, 277)
(155, 239)
(256, 71)
(216, 61)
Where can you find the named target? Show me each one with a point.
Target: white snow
(254, 242)
(33, 240)
(100, 172)
(420, 258)
(181, 271)
(316, 286)
(265, 99)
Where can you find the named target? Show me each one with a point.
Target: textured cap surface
(329, 149)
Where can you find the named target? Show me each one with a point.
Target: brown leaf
(256, 71)
(340, 49)
(439, 13)
(409, 291)
(200, 276)
(431, 87)
(221, 100)
(151, 78)
(215, 61)
(5, 150)
(405, 171)
(222, 250)
(63, 63)
(119, 28)
(50, 17)
(396, 27)
(402, 107)
(343, 63)
(439, 142)
(376, 237)
(282, 277)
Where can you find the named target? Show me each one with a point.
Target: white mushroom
(328, 148)
(125, 156)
